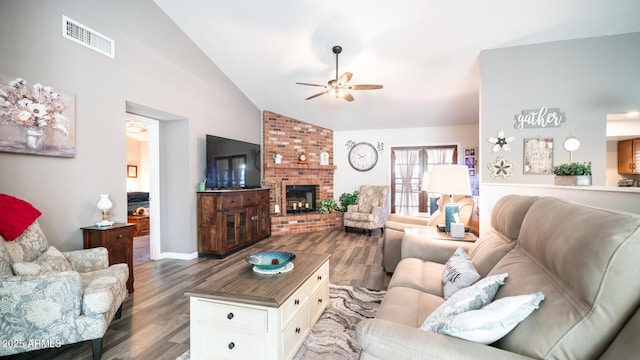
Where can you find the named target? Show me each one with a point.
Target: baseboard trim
(178, 256)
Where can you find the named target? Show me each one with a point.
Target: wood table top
(239, 283)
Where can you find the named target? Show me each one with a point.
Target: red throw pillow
(16, 216)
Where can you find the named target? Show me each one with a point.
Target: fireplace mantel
(300, 166)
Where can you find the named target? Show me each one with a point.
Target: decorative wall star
(501, 168)
(501, 142)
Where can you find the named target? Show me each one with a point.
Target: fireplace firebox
(300, 198)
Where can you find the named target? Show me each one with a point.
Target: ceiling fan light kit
(338, 87)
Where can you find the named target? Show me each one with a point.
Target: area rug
(333, 336)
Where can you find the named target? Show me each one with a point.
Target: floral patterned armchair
(49, 298)
(371, 211)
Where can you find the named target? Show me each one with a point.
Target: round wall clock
(363, 156)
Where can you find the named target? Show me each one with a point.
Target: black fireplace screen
(300, 198)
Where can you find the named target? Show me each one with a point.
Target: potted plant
(328, 206)
(573, 174)
(347, 199)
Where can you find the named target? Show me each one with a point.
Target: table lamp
(433, 200)
(450, 180)
(104, 205)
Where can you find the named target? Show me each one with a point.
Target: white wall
(346, 179)
(156, 66)
(586, 79)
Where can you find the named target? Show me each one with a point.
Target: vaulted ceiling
(424, 52)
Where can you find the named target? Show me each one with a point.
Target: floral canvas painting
(36, 119)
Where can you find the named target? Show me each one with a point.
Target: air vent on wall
(90, 38)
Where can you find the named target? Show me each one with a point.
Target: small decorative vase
(277, 159)
(35, 138)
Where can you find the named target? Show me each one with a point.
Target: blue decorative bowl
(270, 260)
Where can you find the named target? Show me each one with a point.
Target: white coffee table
(245, 315)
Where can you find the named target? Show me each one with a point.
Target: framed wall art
(36, 119)
(538, 156)
(470, 160)
(132, 171)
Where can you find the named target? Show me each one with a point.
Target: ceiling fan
(339, 87)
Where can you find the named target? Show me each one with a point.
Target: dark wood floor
(155, 318)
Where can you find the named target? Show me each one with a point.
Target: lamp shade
(104, 203)
(425, 181)
(449, 180)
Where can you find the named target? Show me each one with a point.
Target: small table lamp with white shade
(450, 180)
(104, 205)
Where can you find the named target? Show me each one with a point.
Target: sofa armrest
(55, 294)
(390, 341)
(88, 259)
(352, 208)
(430, 249)
(408, 220)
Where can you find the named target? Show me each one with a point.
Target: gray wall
(585, 78)
(156, 66)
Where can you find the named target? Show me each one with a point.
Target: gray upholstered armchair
(49, 298)
(371, 211)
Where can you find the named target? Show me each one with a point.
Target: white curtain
(407, 165)
(440, 156)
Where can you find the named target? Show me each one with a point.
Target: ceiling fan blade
(348, 97)
(301, 83)
(316, 95)
(364, 87)
(345, 78)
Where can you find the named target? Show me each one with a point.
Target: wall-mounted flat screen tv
(232, 164)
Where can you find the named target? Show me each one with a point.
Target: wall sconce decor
(571, 144)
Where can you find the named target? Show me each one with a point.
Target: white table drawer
(216, 344)
(318, 301)
(294, 303)
(232, 316)
(295, 333)
(321, 275)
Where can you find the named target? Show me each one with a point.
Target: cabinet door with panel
(629, 156)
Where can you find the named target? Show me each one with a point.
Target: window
(407, 167)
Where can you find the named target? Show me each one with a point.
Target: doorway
(142, 185)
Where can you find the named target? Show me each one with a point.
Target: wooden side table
(141, 223)
(118, 239)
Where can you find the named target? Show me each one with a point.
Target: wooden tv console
(229, 220)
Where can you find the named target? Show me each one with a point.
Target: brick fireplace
(290, 137)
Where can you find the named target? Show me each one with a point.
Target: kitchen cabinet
(229, 220)
(629, 156)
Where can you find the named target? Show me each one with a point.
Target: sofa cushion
(493, 321)
(104, 288)
(5, 260)
(407, 306)
(583, 259)
(458, 273)
(506, 218)
(16, 215)
(420, 275)
(471, 298)
(29, 245)
(50, 261)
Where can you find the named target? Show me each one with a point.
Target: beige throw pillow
(50, 261)
(458, 273)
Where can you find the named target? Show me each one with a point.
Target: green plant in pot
(328, 206)
(347, 199)
(575, 174)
